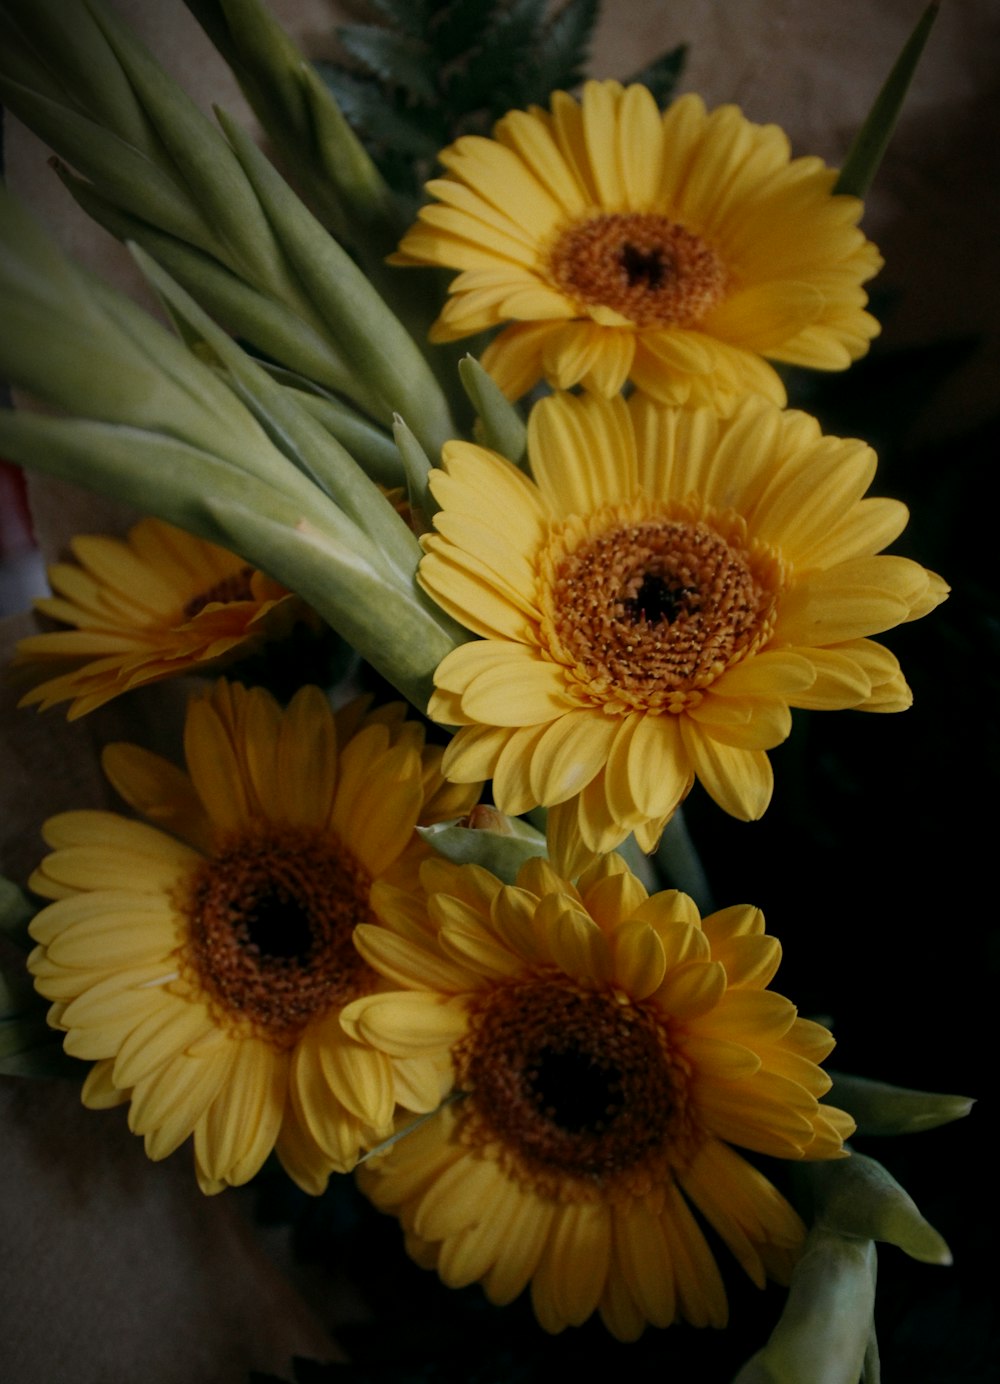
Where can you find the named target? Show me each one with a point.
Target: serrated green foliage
(452, 67)
(662, 74)
(363, 100)
(396, 59)
(561, 63)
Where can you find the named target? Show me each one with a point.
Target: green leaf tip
(500, 426)
(872, 140)
(880, 1109)
(858, 1197)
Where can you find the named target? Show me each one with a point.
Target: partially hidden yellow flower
(678, 250)
(203, 971)
(652, 605)
(609, 1048)
(153, 605)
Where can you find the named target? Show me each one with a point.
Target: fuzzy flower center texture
(652, 612)
(584, 1094)
(271, 918)
(642, 265)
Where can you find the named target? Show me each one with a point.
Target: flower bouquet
(481, 531)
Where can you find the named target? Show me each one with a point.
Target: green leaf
(857, 1196)
(662, 74)
(397, 59)
(65, 52)
(73, 341)
(417, 466)
(124, 175)
(269, 325)
(299, 437)
(400, 632)
(824, 1332)
(215, 181)
(158, 475)
(29, 1047)
(371, 447)
(383, 352)
(502, 853)
(327, 160)
(561, 60)
(364, 103)
(680, 863)
(873, 138)
(501, 425)
(880, 1109)
(42, 1060)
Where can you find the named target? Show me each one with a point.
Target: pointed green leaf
(385, 355)
(857, 1196)
(417, 466)
(398, 630)
(373, 449)
(881, 1109)
(297, 436)
(269, 325)
(397, 59)
(364, 103)
(123, 174)
(872, 139)
(64, 47)
(203, 159)
(679, 861)
(409, 16)
(502, 427)
(156, 474)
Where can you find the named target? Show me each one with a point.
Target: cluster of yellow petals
(653, 603)
(155, 604)
(274, 961)
(610, 1047)
(201, 962)
(682, 250)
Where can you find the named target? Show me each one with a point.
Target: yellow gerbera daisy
(676, 249)
(203, 972)
(609, 1047)
(654, 603)
(151, 606)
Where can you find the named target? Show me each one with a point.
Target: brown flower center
(235, 587)
(649, 613)
(577, 1093)
(271, 924)
(644, 266)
